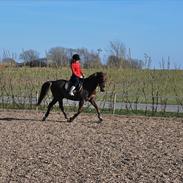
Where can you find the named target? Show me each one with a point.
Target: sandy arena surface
(120, 149)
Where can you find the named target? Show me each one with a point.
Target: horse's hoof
(44, 119)
(100, 120)
(69, 120)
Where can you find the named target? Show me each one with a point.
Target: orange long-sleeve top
(76, 69)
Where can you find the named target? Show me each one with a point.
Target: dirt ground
(120, 149)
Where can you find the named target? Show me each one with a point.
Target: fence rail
(110, 100)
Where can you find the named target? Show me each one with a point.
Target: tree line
(117, 57)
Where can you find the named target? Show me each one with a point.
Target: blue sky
(152, 27)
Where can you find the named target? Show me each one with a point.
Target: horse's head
(101, 78)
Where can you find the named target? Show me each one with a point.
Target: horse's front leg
(62, 108)
(81, 103)
(92, 101)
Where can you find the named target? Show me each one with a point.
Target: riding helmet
(75, 57)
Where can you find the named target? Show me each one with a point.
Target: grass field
(130, 85)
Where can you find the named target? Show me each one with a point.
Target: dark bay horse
(59, 93)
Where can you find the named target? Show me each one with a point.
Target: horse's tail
(44, 90)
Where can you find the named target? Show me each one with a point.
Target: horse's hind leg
(62, 108)
(49, 108)
(81, 103)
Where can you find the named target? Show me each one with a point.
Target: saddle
(79, 91)
(69, 84)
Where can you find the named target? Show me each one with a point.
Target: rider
(77, 73)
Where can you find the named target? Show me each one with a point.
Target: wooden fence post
(114, 104)
(37, 96)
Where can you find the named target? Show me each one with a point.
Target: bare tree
(58, 56)
(89, 59)
(29, 55)
(61, 56)
(8, 58)
(118, 49)
(92, 60)
(117, 54)
(113, 61)
(117, 57)
(147, 61)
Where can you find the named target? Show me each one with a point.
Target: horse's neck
(91, 83)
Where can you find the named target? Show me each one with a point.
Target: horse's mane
(95, 74)
(92, 75)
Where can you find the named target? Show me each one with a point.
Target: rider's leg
(75, 82)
